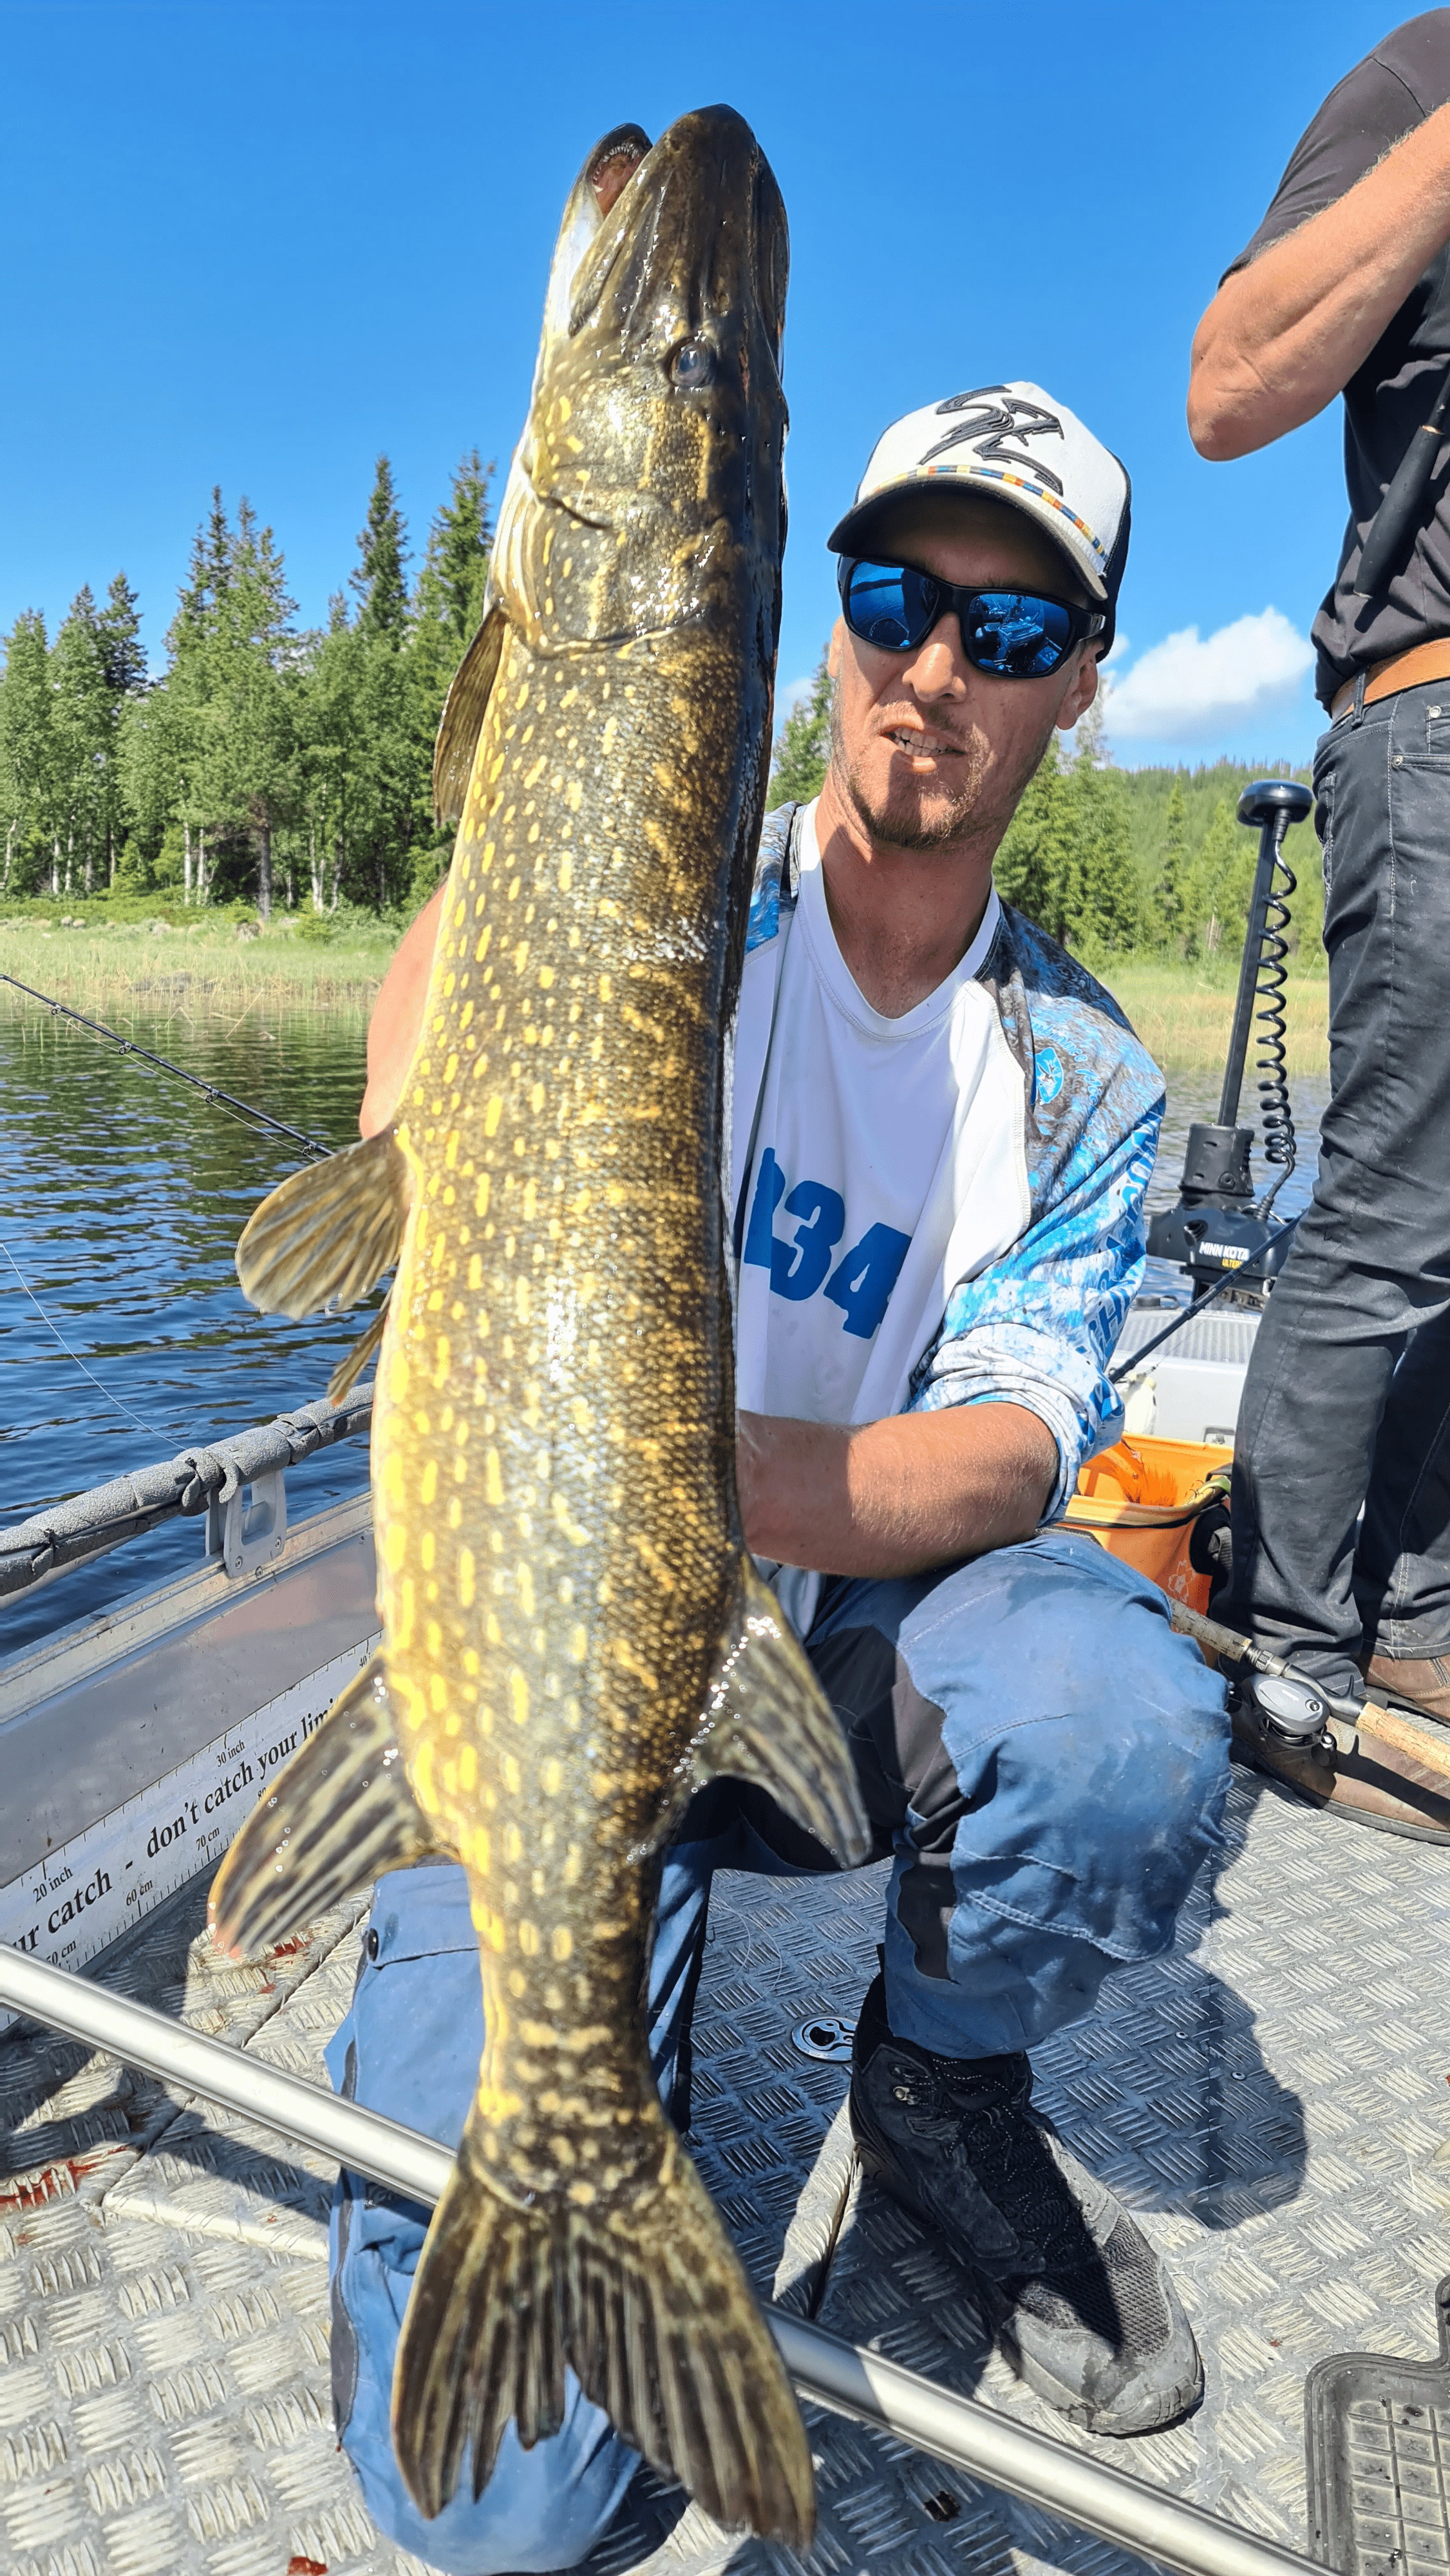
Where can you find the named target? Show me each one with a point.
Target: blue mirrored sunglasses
(1016, 634)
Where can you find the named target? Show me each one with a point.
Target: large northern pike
(574, 1638)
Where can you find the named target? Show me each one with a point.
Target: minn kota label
(87, 1891)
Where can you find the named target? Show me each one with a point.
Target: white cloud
(792, 695)
(1190, 688)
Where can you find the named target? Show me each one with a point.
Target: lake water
(123, 1197)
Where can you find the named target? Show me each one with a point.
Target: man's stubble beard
(899, 825)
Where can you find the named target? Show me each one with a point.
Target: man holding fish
(942, 1132)
(765, 1206)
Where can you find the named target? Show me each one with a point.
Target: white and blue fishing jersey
(945, 1208)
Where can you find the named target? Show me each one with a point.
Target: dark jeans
(1348, 1395)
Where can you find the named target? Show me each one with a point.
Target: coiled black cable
(1276, 1117)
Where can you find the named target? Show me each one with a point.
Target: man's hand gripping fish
(574, 1638)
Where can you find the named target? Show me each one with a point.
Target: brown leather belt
(1402, 671)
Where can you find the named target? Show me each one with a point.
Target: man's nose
(938, 669)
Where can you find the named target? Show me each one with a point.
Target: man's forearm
(398, 1017)
(896, 1496)
(1283, 336)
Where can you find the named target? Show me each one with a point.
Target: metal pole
(840, 2375)
(1271, 834)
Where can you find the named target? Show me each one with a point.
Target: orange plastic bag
(1140, 1500)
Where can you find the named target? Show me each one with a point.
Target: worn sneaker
(1079, 2302)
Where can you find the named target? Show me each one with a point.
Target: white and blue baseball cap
(1016, 444)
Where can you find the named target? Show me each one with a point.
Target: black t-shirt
(1393, 90)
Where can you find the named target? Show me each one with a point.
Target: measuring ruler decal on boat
(86, 1892)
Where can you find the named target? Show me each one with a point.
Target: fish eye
(692, 365)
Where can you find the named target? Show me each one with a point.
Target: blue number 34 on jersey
(860, 1283)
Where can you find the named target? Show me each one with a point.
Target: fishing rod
(1400, 507)
(209, 1090)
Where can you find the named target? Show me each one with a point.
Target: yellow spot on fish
(526, 1590)
(465, 1583)
(529, 1940)
(578, 1643)
(551, 1777)
(566, 873)
(428, 1550)
(395, 1546)
(510, 1774)
(437, 1693)
(562, 1944)
(583, 1414)
(480, 1203)
(467, 1768)
(429, 1486)
(521, 1300)
(475, 1270)
(491, 1116)
(576, 1536)
(518, 1697)
(606, 988)
(450, 1150)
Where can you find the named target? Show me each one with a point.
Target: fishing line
(75, 1355)
(224, 1100)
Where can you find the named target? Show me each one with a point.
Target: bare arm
(896, 1496)
(1283, 336)
(398, 1016)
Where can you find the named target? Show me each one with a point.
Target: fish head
(647, 491)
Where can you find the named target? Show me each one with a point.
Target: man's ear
(1082, 690)
(833, 650)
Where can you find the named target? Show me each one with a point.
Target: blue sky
(255, 244)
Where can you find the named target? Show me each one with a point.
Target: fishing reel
(1218, 1230)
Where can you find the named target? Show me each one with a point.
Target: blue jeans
(1047, 1763)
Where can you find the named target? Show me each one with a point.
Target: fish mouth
(671, 243)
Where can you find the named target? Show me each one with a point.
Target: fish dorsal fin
(768, 1720)
(463, 714)
(341, 1812)
(327, 1234)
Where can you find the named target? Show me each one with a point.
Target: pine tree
(380, 580)
(455, 567)
(28, 781)
(1171, 894)
(1036, 865)
(83, 742)
(803, 745)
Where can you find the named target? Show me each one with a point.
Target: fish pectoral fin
(768, 1720)
(341, 1812)
(326, 1235)
(644, 2296)
(462, 721)
(348, 1370)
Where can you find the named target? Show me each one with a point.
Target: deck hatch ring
(827, 2038)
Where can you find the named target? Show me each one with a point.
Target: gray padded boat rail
(207, 1479)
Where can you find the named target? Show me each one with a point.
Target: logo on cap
(994, 423)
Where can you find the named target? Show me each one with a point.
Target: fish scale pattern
(1270, 2097)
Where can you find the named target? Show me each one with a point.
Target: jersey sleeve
(1038, 1328)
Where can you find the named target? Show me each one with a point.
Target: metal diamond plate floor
(1271, 2098)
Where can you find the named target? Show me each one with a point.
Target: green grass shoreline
(219, 968)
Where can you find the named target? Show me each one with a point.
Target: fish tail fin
(646, 2300)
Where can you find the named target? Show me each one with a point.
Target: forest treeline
(272, 764)
(266, 763)
(1113, 862)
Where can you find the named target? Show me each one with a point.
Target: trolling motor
(1219, 1231)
